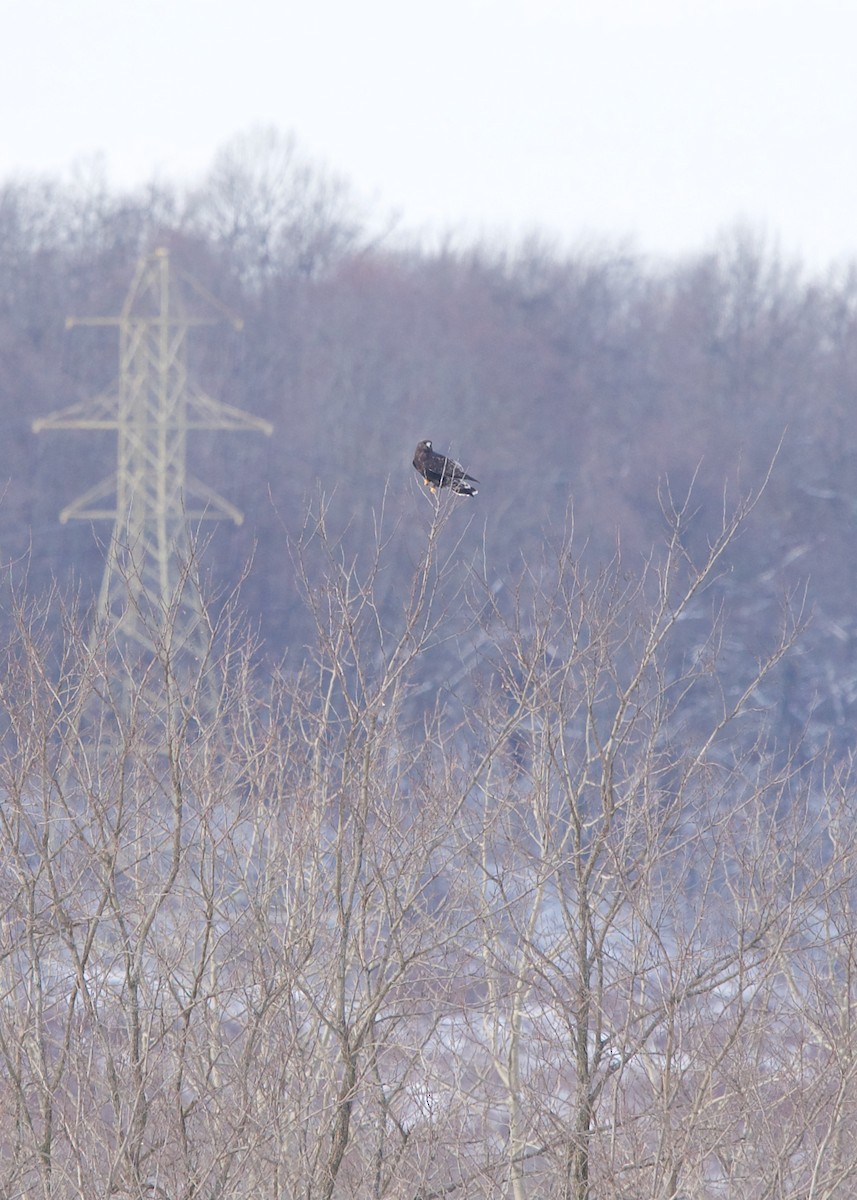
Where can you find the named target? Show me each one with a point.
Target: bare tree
(275, 210)
(561, 923)
(614, 903)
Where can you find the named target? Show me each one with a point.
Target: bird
(438, 471)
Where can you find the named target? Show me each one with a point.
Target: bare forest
(495, 847)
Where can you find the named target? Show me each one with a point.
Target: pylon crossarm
(215, 506)
(81, 508)
(204, 412)
(98, 412)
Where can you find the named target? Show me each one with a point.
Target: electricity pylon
(151, 497)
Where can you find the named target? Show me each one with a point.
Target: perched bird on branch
(438, 471)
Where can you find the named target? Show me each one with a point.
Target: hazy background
(660, 121)
(600, 253)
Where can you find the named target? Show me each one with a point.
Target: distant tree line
(565, 379)
(579, 380)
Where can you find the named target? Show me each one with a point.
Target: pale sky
(661, 122)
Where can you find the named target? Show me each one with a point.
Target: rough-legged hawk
(438, 471)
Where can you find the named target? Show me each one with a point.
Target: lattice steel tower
(151, 497)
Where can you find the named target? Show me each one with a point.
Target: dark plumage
(438, 471)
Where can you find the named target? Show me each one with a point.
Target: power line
(150, 496)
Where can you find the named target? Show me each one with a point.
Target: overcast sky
(658, 121)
